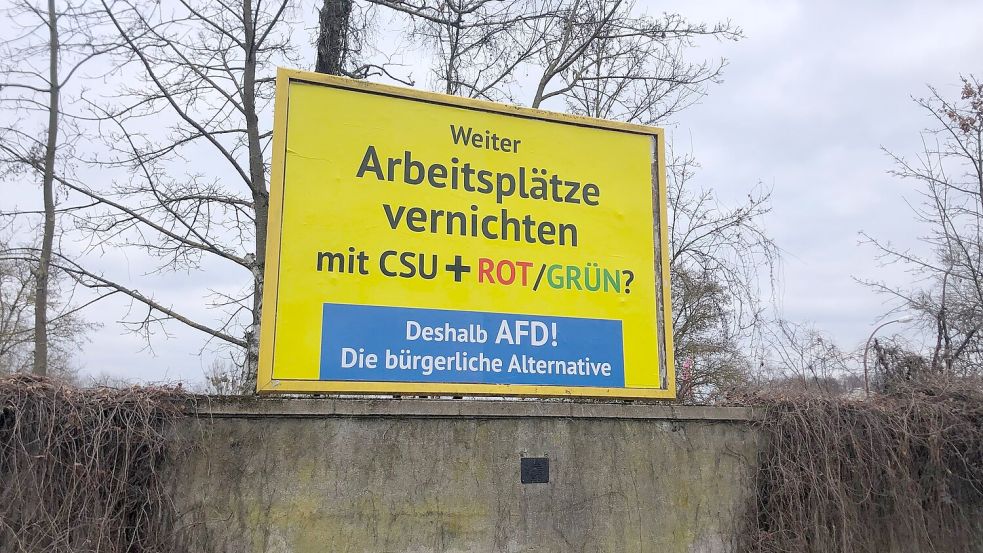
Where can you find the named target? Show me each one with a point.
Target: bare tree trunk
(257, 184)
(452, 86)
(332, 38)
(44, 262)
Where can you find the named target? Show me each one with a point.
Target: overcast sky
(810, 96)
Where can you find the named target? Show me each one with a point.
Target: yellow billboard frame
(265, 382)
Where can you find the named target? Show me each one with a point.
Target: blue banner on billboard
(397, 344)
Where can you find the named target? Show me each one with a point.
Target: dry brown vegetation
(895, 473)
(84, 470)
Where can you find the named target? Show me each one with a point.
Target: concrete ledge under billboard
(421, 475)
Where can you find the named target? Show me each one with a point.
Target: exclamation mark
(553, 332)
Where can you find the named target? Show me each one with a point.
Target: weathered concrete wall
(355, 475)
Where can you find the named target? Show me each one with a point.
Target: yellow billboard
(428, 244)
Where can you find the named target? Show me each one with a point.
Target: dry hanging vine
(901, 473)
(82, 470)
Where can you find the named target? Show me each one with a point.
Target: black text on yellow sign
(421, 243)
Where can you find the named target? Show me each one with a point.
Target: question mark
(630, 277)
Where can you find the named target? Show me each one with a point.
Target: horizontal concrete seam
(467, 410)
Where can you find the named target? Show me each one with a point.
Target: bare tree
(948, 295)
(16, 324)
(224, 377)
(66, 331)
(722, 262)
(478, 46)
(594, 57)
(53, 43)
(605, 61)
(801, 357)
(338, 39)
(204, 72)
(47, 187)
(344, 47)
